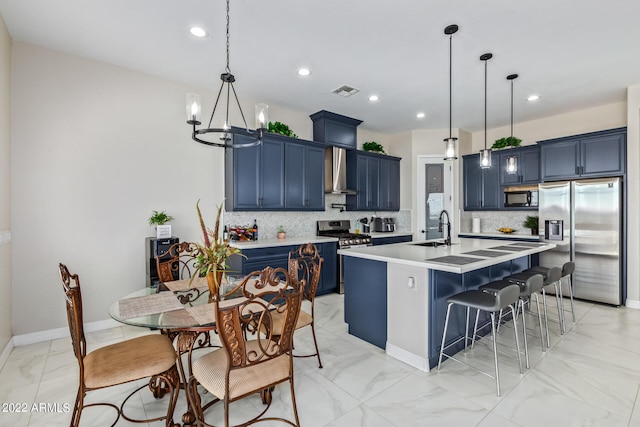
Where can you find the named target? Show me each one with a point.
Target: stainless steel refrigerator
(585, 220)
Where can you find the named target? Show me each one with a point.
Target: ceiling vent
(345, 90)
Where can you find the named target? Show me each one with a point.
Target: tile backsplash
(304, 223)
(490, 221)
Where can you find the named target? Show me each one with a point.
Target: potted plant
(212, 254)
(373, 147)
(509, 141)
(160, 220)
(532, 223)
(280, 128)
(282, 234)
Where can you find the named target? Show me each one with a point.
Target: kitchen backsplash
(490, 221)
(304, 223)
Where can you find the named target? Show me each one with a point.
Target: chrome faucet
(447, 241)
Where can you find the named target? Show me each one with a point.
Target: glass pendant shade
(262, 116)
(194, 108)
(451, 148)
(485, 158)
(512, 165)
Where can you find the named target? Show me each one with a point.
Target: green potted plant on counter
(160, 220)
(282, 234)
(532, 223)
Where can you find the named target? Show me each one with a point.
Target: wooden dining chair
(149, 356)
(305, 265)
(250, 362)
(178, 262)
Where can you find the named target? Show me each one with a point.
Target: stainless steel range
(346, 239)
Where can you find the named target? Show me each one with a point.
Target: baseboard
(6, 352)
(53, 334)
(407, 357)
(632, 303)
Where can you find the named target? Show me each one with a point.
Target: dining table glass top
(187, 306)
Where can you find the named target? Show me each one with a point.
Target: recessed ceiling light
(374, 98)
(533, 98)
(198, 32)
(304, 72)
(420, 115)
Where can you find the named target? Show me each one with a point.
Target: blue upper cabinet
(280, 174)
(528, 161)
(482, 189)
(304, 177)
(335, 129)
(596, 154)
(255, 180)
(376, 179)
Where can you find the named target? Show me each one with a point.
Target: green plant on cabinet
(373, 147)
(509, 141)
(281, 128)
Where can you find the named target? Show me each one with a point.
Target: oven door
(341, 266)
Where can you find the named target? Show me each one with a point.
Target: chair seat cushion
(304, 319)
(129, 360)
(475, 299)
(210, 371)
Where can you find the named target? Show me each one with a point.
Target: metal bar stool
(488, 302)
(552, 277)
(567, 271)
(532, 286)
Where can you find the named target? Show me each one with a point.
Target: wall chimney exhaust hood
(340, 134)
(335, 171)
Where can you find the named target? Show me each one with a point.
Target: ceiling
(575, 54)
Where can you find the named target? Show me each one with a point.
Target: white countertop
(377, 235)
(265, 243)
(420, 256)
(528, 236)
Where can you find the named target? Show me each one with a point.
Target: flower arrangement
(212, 254)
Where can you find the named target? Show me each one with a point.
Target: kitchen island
(395, 295)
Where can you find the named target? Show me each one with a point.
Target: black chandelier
(194, 111)
(485, 155)
(450, 144)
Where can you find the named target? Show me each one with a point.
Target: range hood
(335, 171)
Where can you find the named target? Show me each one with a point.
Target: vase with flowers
(212, 254)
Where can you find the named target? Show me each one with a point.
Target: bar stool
(488, 302)
(552, 277)
(532, 286)
(567, 271)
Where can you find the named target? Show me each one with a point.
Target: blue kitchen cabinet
(254, 176)
(389, 184)
(277, 256)
(481, 187)
(304, 177)
(528, 166)
(376, 180)
(335, 129)
(591, 155)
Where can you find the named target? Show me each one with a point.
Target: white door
(434, 194)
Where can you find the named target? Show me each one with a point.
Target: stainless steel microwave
(522, 198)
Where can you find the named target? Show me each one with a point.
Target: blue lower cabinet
(365, 299)
(278, 256)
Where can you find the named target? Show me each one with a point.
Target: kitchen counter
(412, 254)
(395, 296)
(503, 236)
(378, 235)
(266, 243)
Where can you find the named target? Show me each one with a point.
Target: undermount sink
(432, 244)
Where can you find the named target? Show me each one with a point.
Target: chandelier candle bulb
(194, 108)
(262, 116)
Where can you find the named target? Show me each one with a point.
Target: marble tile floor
(590, 377)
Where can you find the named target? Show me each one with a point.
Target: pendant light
(485, 155)
(194, 110)
(512, 161)
(451, 143)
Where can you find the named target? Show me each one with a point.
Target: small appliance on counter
(384, 225)
(366, 227)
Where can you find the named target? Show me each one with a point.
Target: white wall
(633, 196)
(5, 185)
